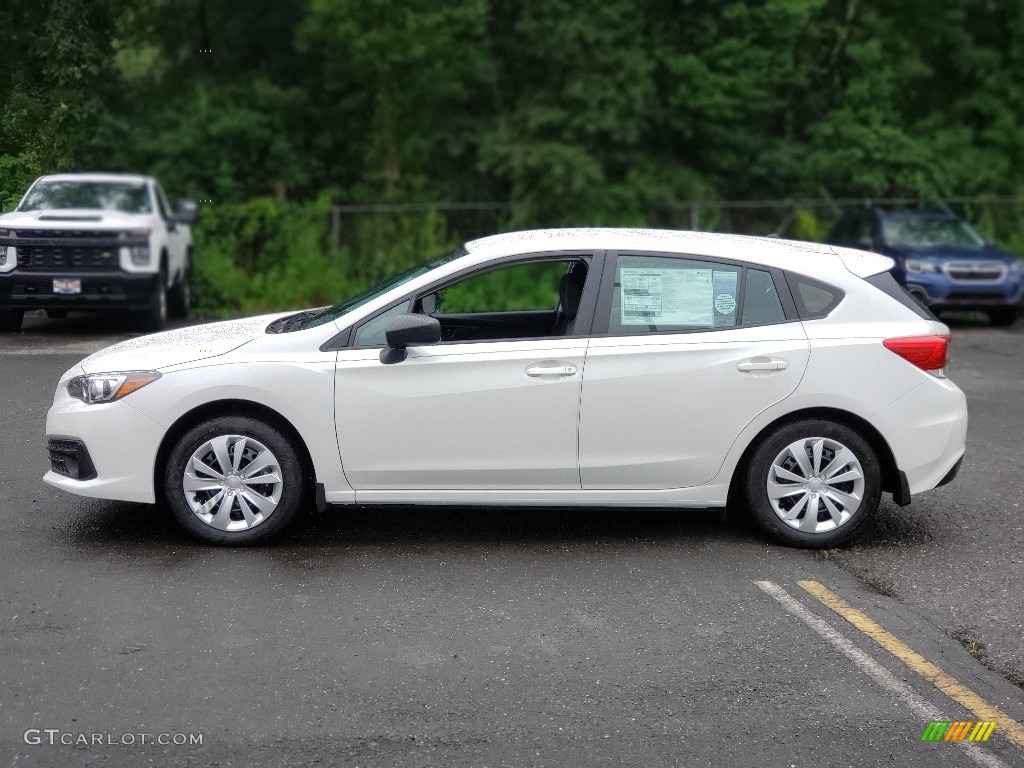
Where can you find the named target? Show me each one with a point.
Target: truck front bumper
(99, 291)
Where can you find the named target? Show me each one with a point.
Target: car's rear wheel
(813, 483)
(234, 481)
(1003, 317)
(10, 320)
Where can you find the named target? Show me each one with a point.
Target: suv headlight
(107, 387)
(918, 266)
(1017, 266)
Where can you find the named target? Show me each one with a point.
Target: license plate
(67, 286)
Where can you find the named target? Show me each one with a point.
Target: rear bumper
(100, 291)
(927, 432)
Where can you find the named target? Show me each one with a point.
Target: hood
(940, 253)
(71, 218)
(185, 345)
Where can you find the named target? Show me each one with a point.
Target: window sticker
(725, 304)
(678, 296)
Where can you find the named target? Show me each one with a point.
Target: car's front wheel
(813, 483)
(234, 481)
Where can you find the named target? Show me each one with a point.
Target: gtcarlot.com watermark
(54, 736)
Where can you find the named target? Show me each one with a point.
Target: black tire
(10, 320)
(180, 297)
(56, 314)
(775, 450)
(261, 440)
(155, 318)
(1002, 318)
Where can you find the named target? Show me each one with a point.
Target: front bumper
(938, 293)
(100, 290)
(121, 445)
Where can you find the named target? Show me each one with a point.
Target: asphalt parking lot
(470, 638)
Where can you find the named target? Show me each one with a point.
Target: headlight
(139, 253)
(108, 387)
(1017, 266)
(919, 266)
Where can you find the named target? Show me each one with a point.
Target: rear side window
(887, 284)
(814, 299)
(655, 294)
(761, 303)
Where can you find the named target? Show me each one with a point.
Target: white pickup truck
(102, 242)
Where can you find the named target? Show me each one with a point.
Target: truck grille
(975, 271)
(66, 258)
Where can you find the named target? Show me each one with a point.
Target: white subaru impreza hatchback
(577, 367)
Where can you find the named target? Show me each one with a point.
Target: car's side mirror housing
(187, 212)
(408, 331)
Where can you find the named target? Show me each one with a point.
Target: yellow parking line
(953, 688)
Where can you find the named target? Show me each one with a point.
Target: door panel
(462, 416)
(662, 411)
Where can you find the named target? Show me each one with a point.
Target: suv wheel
(234, 481)
(813, 484)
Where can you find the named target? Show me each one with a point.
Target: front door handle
(551, 368)
(762, 364)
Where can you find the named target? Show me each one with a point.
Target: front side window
(523, 300)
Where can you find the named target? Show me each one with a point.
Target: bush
(267, 255)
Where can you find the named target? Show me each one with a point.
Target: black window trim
(602, 318)
(594, 259)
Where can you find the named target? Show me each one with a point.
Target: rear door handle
(554, 369)
(762, 364)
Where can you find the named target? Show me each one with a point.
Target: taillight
(929, 353)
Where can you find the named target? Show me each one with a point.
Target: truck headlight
(108, 387)
(140, 255)
(3, 255)
(918, 266)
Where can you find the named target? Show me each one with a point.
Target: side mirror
(187, 212)
(408, 331)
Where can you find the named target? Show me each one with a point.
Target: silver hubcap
(232, 483)
(816, 485)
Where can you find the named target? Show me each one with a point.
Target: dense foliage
(571, 111)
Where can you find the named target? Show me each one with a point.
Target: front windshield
(333, 313)
(929, 232)
(127, 197)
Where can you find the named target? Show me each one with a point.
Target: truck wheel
(180, 296)
(155, 318)
(1002, 317)
(10, 320)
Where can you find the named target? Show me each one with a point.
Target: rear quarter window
(814, 299)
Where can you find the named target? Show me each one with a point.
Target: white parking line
(874, 670)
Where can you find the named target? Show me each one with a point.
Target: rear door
(686, 352)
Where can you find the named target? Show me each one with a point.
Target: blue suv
(941, 259)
